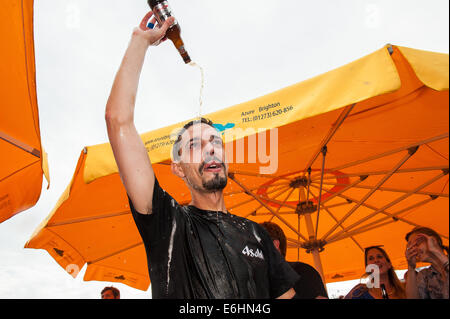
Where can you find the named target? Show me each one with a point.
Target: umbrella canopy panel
(385, 170)
(22, 159)
(345, 175)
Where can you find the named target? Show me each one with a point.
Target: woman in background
(425, 245)
(394, 288)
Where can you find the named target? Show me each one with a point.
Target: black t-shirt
(310, 284)
(193, 253)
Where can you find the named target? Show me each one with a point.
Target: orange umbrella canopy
(22, 160)
(352, 158)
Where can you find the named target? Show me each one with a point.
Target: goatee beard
(216, 184)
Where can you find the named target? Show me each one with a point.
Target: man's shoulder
(241, 219)
(304, 267)
(254, 225)
(250, 227)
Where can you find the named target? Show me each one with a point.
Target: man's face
(202, 159)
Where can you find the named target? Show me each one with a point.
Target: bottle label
(162, 11)
(182, 50)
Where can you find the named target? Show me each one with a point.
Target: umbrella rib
(404, 170)
(370, 207)
(378, 223)
(23, 146)
(276, 202)
(354, 184)
(281, 204)
(436, 152)
(301, 191)
(396, 201)
(324, 154)
(294, 241)
(291, 212)
(284, 201)
(87, 219)
(283, 189)
(344, 229)
(12, 174)
(342, 116)
(388, 153)
(336, 220)
(258, 175)
(389, 189)
(278, 209)
(411, 152)
(115, 253)
(266, 206)
(340, 204)
(255, 188)
(68, 244)
(382, 212)
(446, 183)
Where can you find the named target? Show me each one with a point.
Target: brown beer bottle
(162, 11)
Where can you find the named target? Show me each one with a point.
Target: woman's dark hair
(429, 232)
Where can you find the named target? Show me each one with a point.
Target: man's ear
(276, 242)
(177, 170)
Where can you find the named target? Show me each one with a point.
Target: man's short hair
(276, 233)
(114, 291)
(176, 146)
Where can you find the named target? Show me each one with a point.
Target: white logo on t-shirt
(251, 253)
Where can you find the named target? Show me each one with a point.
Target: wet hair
(393, 278)
(276, 233)
(176, 149)
(114, 291)
(429, 232)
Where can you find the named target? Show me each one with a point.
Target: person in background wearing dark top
(425, 245)
(394, 288)
(110, 293)
(310, 285)
(198, 251)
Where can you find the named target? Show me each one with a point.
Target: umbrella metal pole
(315, 251)
(312, 235)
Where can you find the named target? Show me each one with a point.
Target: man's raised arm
(131, 156)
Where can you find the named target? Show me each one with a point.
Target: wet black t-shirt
(193, 253)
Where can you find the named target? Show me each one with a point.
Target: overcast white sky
(247, 48)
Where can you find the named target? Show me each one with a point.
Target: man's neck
(208, 201)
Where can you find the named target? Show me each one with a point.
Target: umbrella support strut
(315, 250)
(20, 144)
(233, 178)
